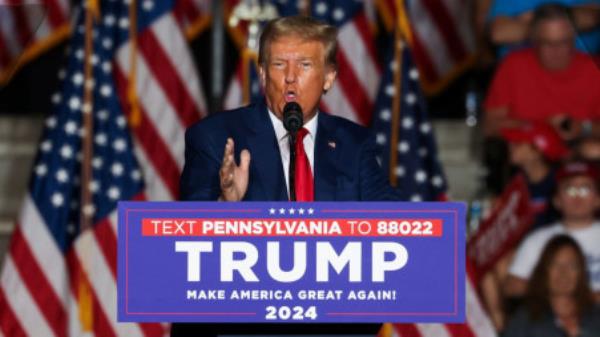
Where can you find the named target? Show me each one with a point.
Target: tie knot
(301, 133)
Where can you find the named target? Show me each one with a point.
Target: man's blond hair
(304, 27)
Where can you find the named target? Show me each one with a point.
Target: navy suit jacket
(345, 168)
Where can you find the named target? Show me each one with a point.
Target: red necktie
(303, 178)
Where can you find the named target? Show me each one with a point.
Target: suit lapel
(325, 159)
(265, 157)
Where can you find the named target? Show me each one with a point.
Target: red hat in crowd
(577, 168)
(542, 136)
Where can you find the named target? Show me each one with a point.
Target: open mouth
(290, 96)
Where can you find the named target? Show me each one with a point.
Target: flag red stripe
(187, 9)
(37, 284)
(9, 324)
(24, 34)
(355, 95)
(168, 78)
(407, 330)
(152, 329)
(55, 16)
(443, 21)
(107, 241)
(151, 142)
(426, 67)
(462, 330)
(179, 12)
(362, 25)
(158, 153)
(101, 326)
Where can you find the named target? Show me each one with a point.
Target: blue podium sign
(291, 262)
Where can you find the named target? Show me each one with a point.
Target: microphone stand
(292, 167)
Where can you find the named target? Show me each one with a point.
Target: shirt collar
(281, 133)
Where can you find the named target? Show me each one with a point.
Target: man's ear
(330, 77)
(262, 75)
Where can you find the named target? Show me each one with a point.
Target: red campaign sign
(504, 228)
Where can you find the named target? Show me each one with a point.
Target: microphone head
(292, 117)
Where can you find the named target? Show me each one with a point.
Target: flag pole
(396, 105)
(86, 205)
(135, 114)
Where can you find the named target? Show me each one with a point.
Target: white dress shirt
(284, 145)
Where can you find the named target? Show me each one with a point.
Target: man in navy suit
(297, 63)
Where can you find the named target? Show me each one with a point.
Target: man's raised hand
(234, 178)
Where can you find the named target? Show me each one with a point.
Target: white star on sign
(272, 211)
(311, 211)
(281, 211)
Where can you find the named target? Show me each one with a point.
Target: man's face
(554, 43)
(295, 71)
(577, 198)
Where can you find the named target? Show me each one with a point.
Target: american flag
(406, 140)
(353, 95)
(60, 280)
(403, 132)
(27, 28)
(442, 37)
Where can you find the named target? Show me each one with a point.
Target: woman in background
(559, 301)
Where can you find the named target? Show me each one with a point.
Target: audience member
(549, 82)
(533, 149)
(510, 20)
(577, 198)
(588, 148)
(558, 301)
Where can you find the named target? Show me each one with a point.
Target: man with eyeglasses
(549, 82)
(577, 197)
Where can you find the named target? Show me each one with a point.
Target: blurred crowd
(541, 121)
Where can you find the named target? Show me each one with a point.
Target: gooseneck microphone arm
(292, 121)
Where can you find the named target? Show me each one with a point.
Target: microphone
(292, 117)
(292, 121)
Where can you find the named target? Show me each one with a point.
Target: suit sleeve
(200, 177)
(374, 185)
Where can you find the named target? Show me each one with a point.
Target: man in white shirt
(578, 199)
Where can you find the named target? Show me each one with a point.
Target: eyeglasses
(578, 191)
